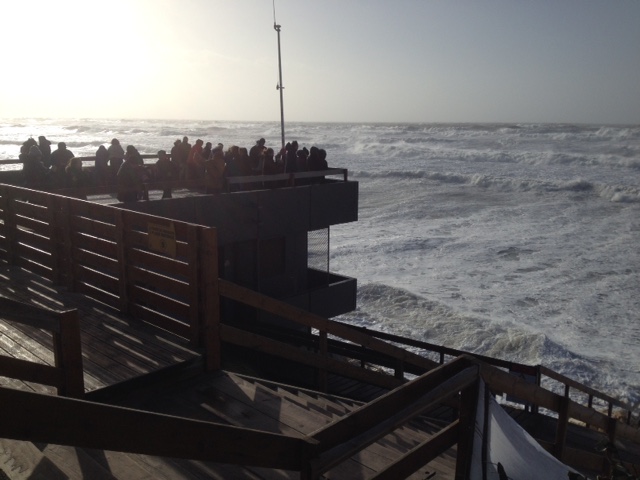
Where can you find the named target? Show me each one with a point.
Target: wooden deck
(117, 348)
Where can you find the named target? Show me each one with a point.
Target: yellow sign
(162, 238)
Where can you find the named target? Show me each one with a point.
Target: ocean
(518, 241)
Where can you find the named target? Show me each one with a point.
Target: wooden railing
(542, 375)
(353, 432)
(500, 382)
(67, 374)
(204, 184)
(94, 425)
(153, 268)
(111, 254)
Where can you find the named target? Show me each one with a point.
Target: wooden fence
(67, 374)
(158, 270)
(500, 382)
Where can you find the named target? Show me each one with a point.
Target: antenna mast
(279, 87)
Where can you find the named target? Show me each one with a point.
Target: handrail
(263, 302)
(67, 374)
(141, 264)
(498, 380)
(542, 370)
(106, 427)
(351, 433)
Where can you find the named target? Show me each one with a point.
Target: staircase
(231, 399)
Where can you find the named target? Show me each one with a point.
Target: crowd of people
(125, 168)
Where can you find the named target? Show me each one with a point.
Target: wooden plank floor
(115, 347)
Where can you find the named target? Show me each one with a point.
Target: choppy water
(516, 241)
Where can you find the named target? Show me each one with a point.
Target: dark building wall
(263, 235)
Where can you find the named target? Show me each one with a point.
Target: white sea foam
(516, 241)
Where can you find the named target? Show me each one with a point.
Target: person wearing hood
(45, 148)
(59, 160)
(36, 175)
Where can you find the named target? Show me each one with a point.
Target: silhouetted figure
(165, 171)
(116, 157)
(269, 166)
(195, 162)
(129, 180)
(75, 176)
(36, 175)
(255, 154)
(206, 151)
(215, 171)
(134, 154)
(186, 151)
(59, 160)
(302, 157)
(291, 160)
(176, 155)
(101, 171)
(45, 148)
(244, 162)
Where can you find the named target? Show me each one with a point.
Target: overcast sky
(343, 60)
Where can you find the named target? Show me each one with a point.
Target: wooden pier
(151, 383)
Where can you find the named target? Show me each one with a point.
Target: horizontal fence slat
(162, 321)
(159, 262)
(93, 211)
(98, 279)
(37, 226)
(159, 302)
(95, 261)
(28, 372)
(26, 314)
(101, 246)
(33, 240)
(91, 227)
(31, 210)
(161, 282)
(98, 294)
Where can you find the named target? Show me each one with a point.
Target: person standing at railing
(45, 147)
(59, 160)
(116, 157)
(129, 180)
(165, 171)
(76, 177)
(184, 157)
(215, 171)
(195, 162)
(101, 166)
(36, 175)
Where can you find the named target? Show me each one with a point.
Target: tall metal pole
(279, 86)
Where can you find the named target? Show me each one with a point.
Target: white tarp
(510, 445)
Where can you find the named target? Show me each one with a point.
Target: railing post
(467, 417)
(10, 227)
(121, 247)
(210, 299)
(68, 355)
(323, 377)
(561, 429)
(399, 370)
(193, 254)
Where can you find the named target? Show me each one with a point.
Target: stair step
(23, 460)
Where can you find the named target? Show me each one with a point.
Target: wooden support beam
(29, 371)
(468, 409)
(209, 298)
(422, 454)
(69, 352)
(353, 432)
(65, 421)
(268, 304)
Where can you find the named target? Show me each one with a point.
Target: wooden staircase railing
(67, 374)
